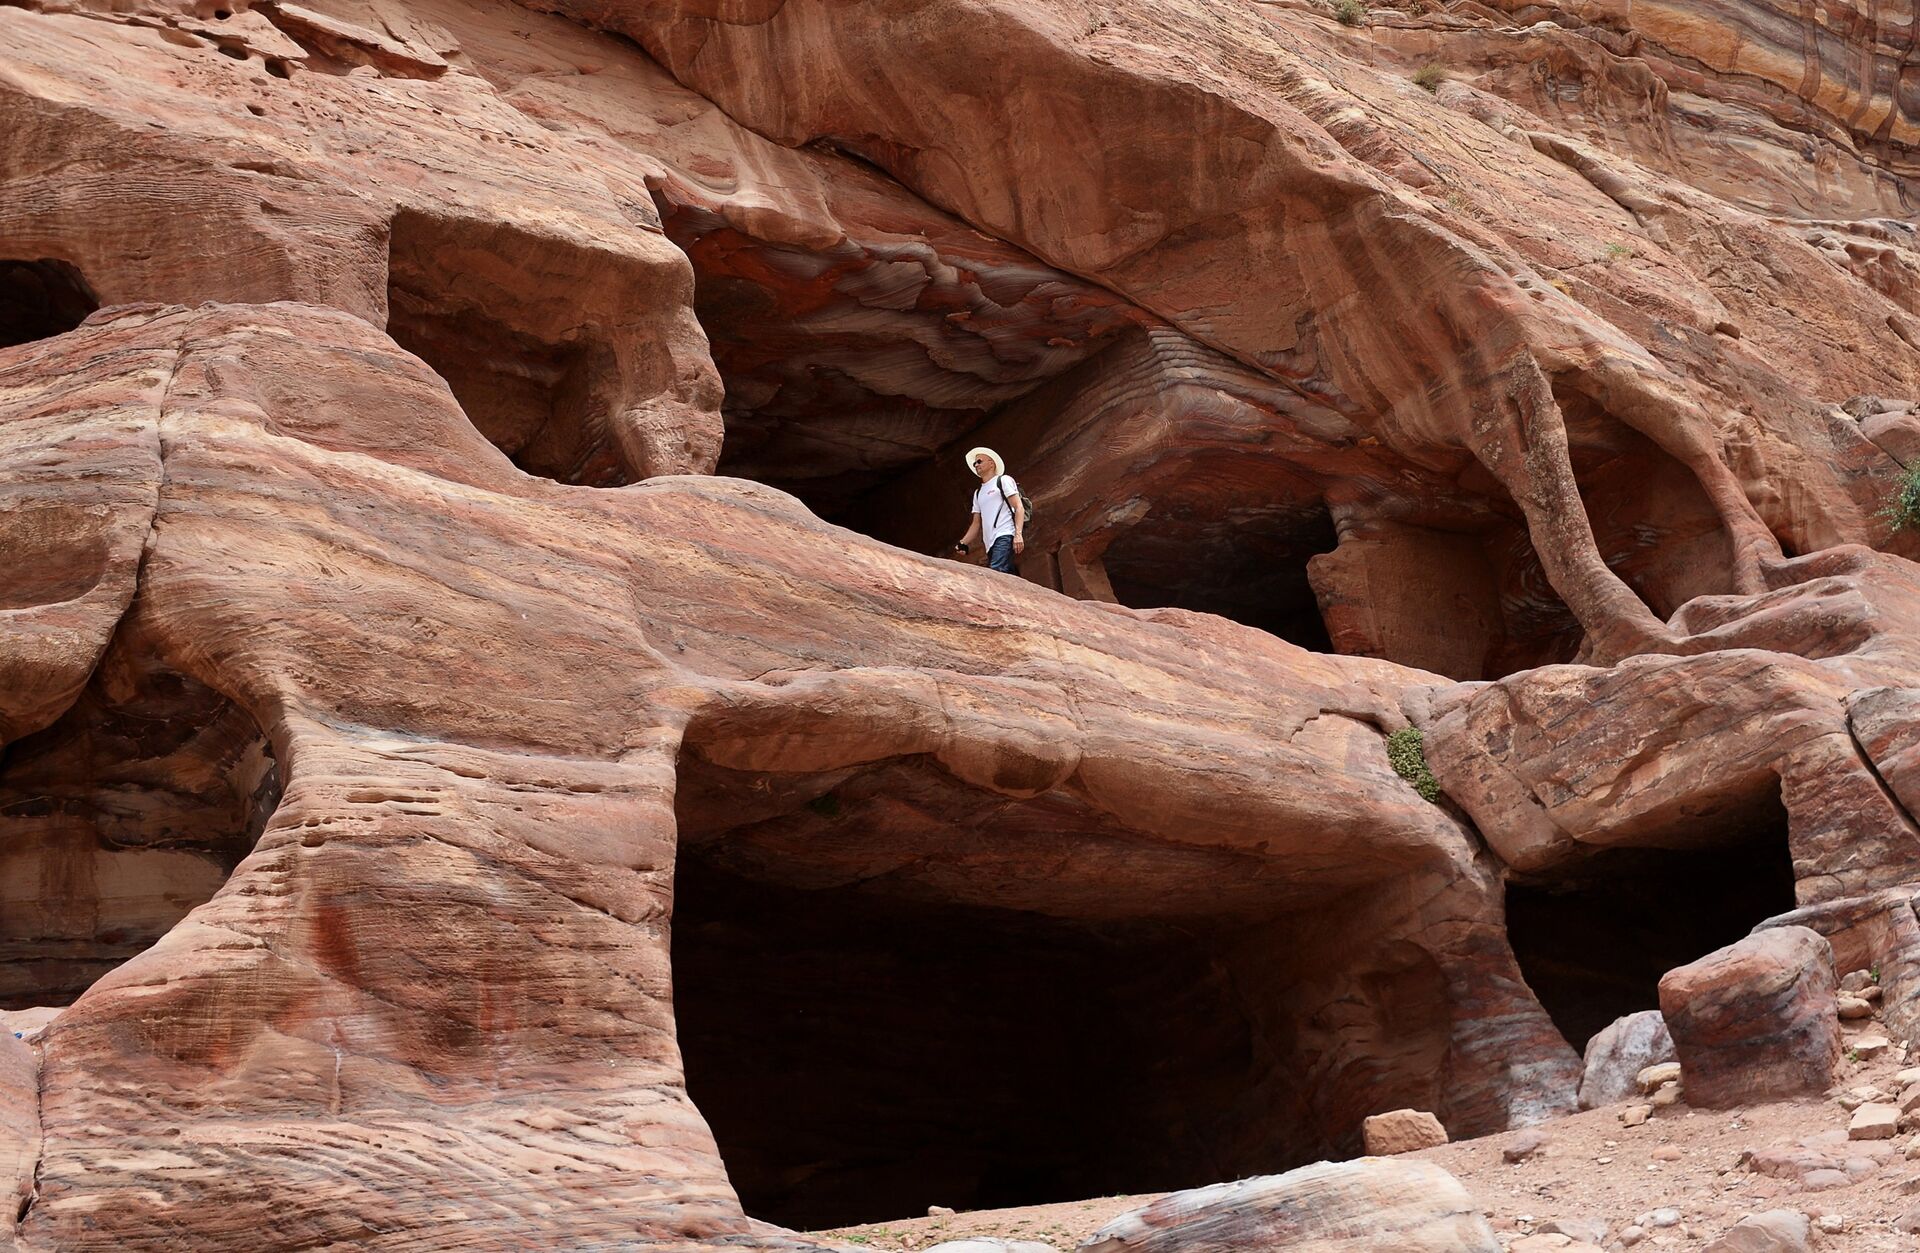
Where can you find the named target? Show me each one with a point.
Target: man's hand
(959, 550)
(1019, 543)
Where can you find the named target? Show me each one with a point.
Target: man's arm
(973, 534)
(1019, 504)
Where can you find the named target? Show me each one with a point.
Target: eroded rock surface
(407, 841)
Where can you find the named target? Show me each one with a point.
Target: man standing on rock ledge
(997, 506)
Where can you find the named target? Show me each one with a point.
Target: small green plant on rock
(1429, 77)
(1903, 510)
(1349, 12)
(1407, 754)
(1618, 252)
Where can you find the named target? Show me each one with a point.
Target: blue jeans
(1000, 556)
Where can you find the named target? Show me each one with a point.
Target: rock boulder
(1616, 1056)
(1367, 1206)
(1755, 1020)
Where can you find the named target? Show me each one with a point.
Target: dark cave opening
(860, 1058)
(1245, 563)
(41, 299)
(126, 813)
(894, 989)
(1593, 943)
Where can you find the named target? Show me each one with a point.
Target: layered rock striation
(439, 810)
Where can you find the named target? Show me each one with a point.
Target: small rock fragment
(939, 1211)
(1402, 1131)
(1636, 1115)
(1631, 1235)
(1589, 1230)
(1524, 1145)
(1851, 1008)
(1650, 1079)
(1776, 1231)
(1666, 1153)
(1874, 1121)
(1669, 1094)
(1868, 1046)
(1657, 1219)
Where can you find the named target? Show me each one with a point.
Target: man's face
(983, 466)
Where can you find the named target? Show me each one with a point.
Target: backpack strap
(1012, 517)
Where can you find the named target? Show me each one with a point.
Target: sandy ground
(1591, 1167)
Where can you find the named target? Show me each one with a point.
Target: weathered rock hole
(533, 397)
(40, 299)
(117, 820)
(1654, 524)
(906, 992)
(1594, 942)
(278, 68)
(1246, 564)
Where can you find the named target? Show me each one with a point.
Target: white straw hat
(999, 466)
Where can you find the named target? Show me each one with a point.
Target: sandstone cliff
(495, 754)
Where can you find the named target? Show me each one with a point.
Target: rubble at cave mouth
(40, 299)
(1594, 941)
(130, 810)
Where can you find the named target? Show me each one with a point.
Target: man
(997, 510)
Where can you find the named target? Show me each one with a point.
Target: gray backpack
(1025, 499)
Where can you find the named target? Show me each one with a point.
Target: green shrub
(1349, 12)
(1903, 510)
(1618, 252)
(1407, 754)
(1429, 77)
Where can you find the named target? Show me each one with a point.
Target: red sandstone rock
(1401, 1131)
(1335, 166)
(1362, 1207)
(326, 555)
(1755, 1020)
(1538, 367)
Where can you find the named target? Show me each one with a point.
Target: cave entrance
(41, 299)
(1593, 943)
(126, 813)
(860, 1058)
(457, 298)
(893, 990)
(1244, 562)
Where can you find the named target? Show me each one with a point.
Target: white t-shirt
(996, 514)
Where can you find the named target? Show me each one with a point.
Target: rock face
(788, 782)
(1616, 1056)
(1756, 1019)
(439, 810)
(1367, 1206)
